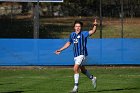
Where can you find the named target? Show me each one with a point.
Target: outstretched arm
(63, 48)
(94, 28)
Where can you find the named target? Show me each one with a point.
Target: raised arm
(63, 48)
(93, 30)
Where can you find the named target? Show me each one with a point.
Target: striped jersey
(79, 42)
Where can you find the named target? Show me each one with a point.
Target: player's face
(77, 28)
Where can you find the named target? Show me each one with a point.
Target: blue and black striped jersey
(79, 42)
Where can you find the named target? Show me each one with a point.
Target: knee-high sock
(88, 74)
(76, 79)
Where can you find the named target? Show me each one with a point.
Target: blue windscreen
(41, 52)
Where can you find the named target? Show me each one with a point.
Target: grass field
(60, 80)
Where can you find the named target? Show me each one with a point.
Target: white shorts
(80, 60)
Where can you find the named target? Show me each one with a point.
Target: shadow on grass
(13, 92)
(107, 90)
(6, 83)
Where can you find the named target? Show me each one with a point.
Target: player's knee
(83, 71)
(75, 69)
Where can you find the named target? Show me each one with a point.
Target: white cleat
(75, 90)
(94, 82)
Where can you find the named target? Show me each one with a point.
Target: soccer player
(79, 40)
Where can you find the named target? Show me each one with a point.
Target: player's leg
(89, 75)
(76, 78)
(86, 72)
(78, 60)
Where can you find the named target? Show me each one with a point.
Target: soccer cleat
(75, 90)
(94, 82)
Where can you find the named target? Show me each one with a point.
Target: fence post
(122, 14)
(100, 18)
(36, 21)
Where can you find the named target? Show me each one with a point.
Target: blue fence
(32, 52)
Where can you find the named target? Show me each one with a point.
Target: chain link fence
(116, 18)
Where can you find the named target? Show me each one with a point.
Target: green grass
(60, 80)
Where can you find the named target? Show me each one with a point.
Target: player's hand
(57, 52)
(95, 22)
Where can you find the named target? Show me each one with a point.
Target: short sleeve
(85, 33)
(70, 38)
